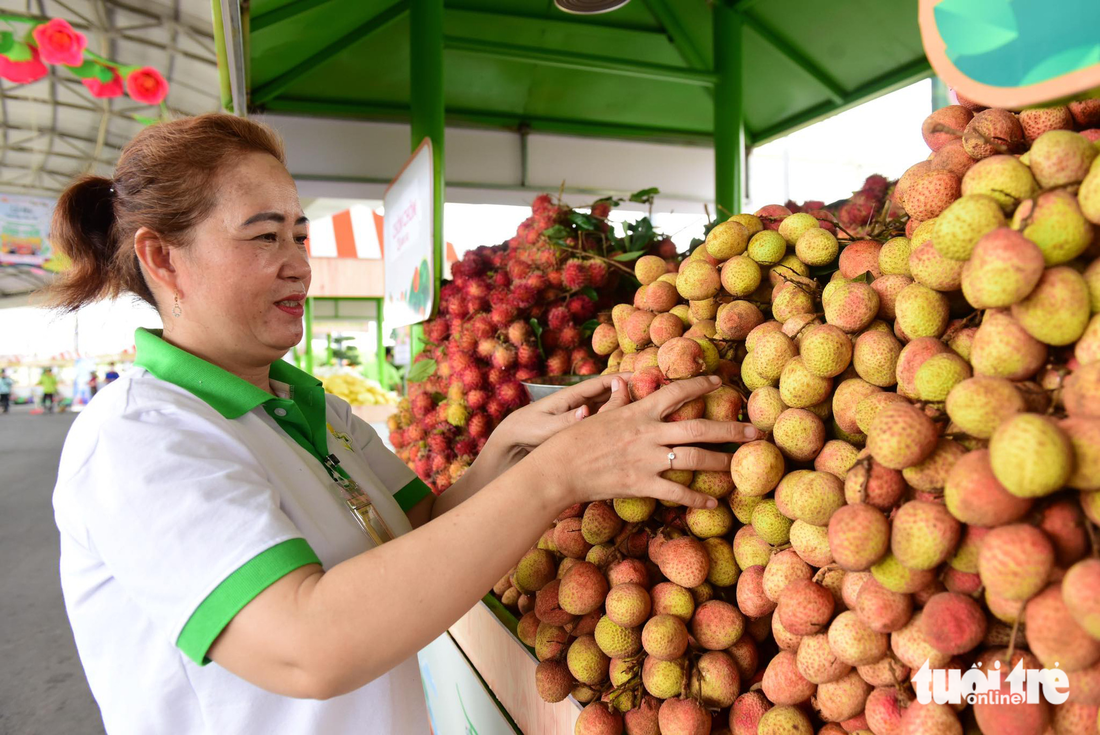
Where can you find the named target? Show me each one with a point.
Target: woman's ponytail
(83, 230)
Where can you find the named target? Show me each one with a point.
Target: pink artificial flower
(147, 85)
(59, 43)
(104, 90)
(22, 72)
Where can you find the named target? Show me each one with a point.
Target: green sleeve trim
(236, 591)
(412, 494)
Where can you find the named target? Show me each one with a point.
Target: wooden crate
(508, 668)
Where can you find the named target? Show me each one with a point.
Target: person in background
(5, 391)
(48, 381)
(112, 374)
(93, 385)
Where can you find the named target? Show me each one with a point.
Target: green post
(328, 348)
(426, 107)
(309, 336)
(729, 123)
(380, 350)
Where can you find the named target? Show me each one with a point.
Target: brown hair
(165, 181)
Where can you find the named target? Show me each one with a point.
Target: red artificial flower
(22, 72)
(105, 90)
(147, 85)
(59, 43)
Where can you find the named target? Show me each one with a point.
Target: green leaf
(584, 221)
(864, 277)
(642, 234)
(87, 70)
(612, 201)
(590, 293)
(421, 371)
(632, 255)
(537, 329)
(7, 40)
(19, 51)
(589, 327)
(557, 232)
(104, 73)
(645, 196)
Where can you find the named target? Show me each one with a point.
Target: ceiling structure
(52, 130)
(646, 70)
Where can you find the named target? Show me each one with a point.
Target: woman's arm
(320, 634)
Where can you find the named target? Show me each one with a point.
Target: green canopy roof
(643, 71)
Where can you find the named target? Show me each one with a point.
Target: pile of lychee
(511, 313)
(929, 486)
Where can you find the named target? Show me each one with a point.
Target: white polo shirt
(183, 492)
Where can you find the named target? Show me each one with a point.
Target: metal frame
(104, 22)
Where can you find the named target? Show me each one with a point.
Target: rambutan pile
(511, 313)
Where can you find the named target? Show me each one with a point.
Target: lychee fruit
(859, 535)
(1002, 348)
(1015, 561)
(1030, 455)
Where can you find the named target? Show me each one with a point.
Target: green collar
(228, 394)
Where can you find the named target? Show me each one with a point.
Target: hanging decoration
(28, 45)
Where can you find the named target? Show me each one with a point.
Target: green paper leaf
(87, 70)
(104, 73)
(7, 40)
(589, 327)
(632, 255)
(19, 51)
(645, 196)
(421, 371)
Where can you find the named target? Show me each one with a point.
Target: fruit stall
(920, 363)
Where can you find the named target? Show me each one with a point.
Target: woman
(202, 498)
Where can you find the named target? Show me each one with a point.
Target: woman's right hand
(623, 449)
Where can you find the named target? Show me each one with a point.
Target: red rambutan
(422, 404)
(471, 377)
(550, 338)
(437, 330)
(496, 377)
(558, 363)
(575, 274)
(495, 408)
(442, 480)
(528, 355)
(504, 356)
(501, 279)
(569, 337)
(502, 315)
(456, 308)
(543, 203)
(559, 317)
(486, 347)
(522, 295)
(438, 443)
(554, 277)
(582, 308)
(518, 270)
(423, 468)
(439, 463)
(479, 425)
(460, 359)
(498, 296)
(537, 280)
(519, 333)
(465, 446)
(482, 326)
(597, 273)
(476, 399)
(527, 373)
(397, 438)
(477, 287)
(511, 395)
(587, 366)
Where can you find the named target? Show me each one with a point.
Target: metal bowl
(548, 384)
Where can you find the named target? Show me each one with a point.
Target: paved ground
(42, 686)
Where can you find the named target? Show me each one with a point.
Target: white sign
(978, 686)
(409, 242)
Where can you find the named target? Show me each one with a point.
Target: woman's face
(244, 276)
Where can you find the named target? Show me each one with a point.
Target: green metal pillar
(426, 104)
(328, 348)
(380, 350)
(729, 123)
(309, 336)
